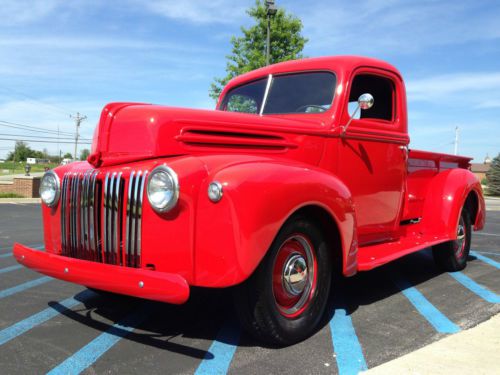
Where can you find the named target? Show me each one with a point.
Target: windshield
(292, 93)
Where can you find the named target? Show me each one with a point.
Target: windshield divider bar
(264, 100)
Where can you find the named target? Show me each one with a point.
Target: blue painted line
(22, 287)
(220, 354)
(486, 252)
(91, 352)
(5, 255)
(349, 355)
(25, 325)
(435, 317)
(11, 268)
(491, 262)
(478, 289)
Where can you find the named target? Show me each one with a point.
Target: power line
(38, 136)
(31, 140)
(34, 129)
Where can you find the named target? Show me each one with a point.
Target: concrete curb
(474, 351)
(19, 200)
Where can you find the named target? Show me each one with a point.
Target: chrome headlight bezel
(172, 202)
(57, 189)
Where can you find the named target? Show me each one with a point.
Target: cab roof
(334, 63)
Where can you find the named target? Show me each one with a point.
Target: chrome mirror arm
(344, 128)
(365, 101)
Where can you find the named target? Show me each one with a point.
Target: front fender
(446, 196)
(233, 235)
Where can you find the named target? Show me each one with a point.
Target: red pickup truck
(302, 172)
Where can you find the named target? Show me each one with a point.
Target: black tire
(257, 302)
(452, 256)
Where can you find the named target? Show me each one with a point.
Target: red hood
(131, 131)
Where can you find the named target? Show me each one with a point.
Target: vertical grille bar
(105, 232)
(74, 204)
(117, 219)
(134, 216)
(111, 218)
(90, 213)
(130, 226)
(63, 212)
(139, 219)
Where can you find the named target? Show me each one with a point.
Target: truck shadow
(190, 329)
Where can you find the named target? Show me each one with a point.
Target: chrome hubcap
(460, 242)
(295, 274)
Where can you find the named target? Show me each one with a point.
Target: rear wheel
(452, 255)
(283, 301)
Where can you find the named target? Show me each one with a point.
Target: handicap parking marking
(91, 352)
(220, 354)
(476, 288)
(347, 349)
(22, 287)
(484, 259)
(41, 317)
(430, 312)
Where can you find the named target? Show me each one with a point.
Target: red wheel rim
(460, 242)
(294, 275)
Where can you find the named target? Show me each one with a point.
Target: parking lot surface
(49, 326)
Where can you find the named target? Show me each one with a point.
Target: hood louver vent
(197, 137)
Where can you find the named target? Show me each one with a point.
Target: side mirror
(365, 101)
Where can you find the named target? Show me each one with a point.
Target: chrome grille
(93, 224)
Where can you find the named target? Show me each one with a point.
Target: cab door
(373, 153)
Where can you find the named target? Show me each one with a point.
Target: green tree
(249, 50)
(21, 152)
(68, 156)
(84, 154)
(493, 176)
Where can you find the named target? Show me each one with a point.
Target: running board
(373, 256)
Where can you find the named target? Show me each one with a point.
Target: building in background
(480, 169)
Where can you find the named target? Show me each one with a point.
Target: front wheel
(284, 300)
(452, 256)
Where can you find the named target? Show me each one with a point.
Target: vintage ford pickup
(302, 172)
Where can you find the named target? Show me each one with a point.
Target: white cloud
(22, 12)
(199, 11)
(84, 42)
(474, 87)
(374, 27)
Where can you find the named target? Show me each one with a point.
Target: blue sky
(58, 57)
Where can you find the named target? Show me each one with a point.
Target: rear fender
(234, 234)
(447, 194)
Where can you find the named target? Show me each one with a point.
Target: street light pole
(270, 11)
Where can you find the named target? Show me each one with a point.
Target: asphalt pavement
(49, 326)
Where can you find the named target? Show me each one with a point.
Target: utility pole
(456, 139)
(270, 11)
(78, 120)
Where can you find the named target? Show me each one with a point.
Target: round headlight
(163, 189)
(50, 188)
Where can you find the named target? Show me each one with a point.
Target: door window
(382, 90)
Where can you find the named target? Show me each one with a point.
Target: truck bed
(422, 167)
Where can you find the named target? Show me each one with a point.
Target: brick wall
(24, 186)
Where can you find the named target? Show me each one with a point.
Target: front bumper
(153, 285)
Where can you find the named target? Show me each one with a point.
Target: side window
(382, 90)
(242, 103)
